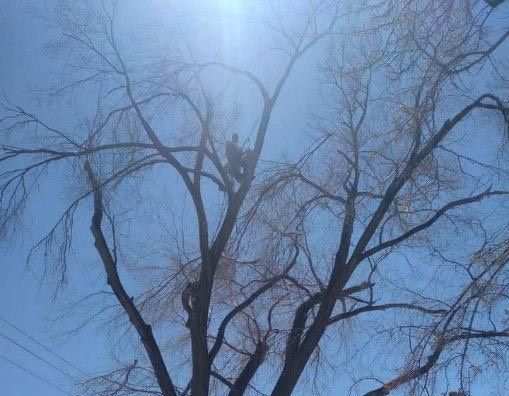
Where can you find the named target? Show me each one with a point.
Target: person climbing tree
(235, 158)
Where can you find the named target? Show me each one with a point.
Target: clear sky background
(24, 302)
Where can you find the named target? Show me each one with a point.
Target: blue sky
(25, 65)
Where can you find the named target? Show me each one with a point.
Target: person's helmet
(235, 137)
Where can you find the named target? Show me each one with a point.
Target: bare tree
(387, 232)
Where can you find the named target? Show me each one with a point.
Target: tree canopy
(366, 236)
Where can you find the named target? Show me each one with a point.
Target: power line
(42, 345)
(35, 375)
(39, 357)
(36, 355)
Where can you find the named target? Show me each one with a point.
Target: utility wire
(37, 356)
(41, 345)
(35, 375)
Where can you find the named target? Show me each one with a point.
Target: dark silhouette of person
(235, 158)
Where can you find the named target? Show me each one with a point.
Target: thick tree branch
(383, 307)
(110, 266)
(246, 375)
